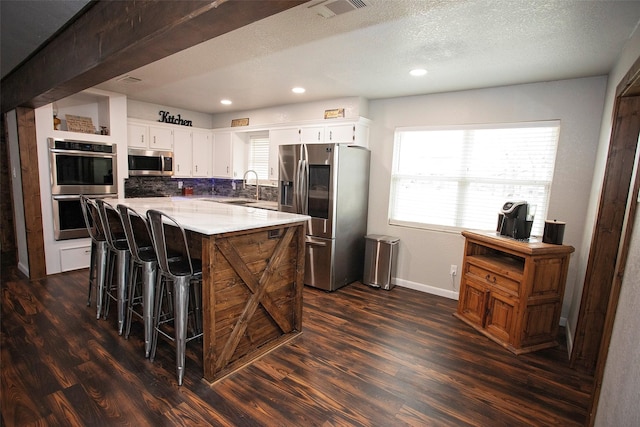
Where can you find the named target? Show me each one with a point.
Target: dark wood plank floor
(366, 357)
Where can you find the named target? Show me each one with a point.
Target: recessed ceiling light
(298, 90)
(225, 102)
(418, 72)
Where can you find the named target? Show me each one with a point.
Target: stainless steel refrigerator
(330, 183)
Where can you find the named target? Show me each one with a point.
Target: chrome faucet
(244, 183)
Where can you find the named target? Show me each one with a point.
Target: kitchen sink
(251, 203)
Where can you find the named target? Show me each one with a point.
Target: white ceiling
(369, 51)
(26, 24)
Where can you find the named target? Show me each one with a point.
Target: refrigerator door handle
(296, 188)
(304, 190)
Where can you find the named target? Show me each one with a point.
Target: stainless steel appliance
(330, 183)
(78, 168)
(68, 222)
(150, 162)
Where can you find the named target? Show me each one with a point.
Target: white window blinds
(459, 177)
(259, 156)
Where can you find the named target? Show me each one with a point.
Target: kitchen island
(252, 276)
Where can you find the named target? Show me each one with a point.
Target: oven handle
(82, 153)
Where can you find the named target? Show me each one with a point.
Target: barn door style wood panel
(511, 291)
(252, 295)
(607, 235)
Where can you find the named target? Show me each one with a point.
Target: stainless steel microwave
(150, 162)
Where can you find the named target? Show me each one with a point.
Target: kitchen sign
(166, 117)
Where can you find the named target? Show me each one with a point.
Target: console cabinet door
(472, 304)
(501, 316)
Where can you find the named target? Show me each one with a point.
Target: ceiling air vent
(128, 79)
(331, 8)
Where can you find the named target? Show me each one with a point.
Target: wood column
(31, 191)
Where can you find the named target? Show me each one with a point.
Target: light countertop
(207, 216)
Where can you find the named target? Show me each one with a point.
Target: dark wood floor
(366, 357)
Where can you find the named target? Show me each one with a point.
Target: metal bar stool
(143, 259)
(117, 242)
(99, 251)
(181, 273)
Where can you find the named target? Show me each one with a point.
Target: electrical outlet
(454, 270)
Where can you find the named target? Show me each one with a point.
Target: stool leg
(157, 309)
(197, 305)
(101, 274)
(181, 301)
(92, 270)
(122, 259)
(148, 293)
(133, 277)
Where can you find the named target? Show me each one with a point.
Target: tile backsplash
(161, 186)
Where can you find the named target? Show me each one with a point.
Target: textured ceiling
(25, 25)
(368, 52)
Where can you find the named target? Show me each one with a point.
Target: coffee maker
(515, 221)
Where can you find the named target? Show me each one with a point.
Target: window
(459, 177)
(259, 157)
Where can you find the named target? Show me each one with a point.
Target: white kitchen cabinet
(202, 147)
(278, 137)
(137, 135)
(309, 135)
(160, 138)
(222, 155)
(356, 133)
(74, 258)
(182, 153)
(229, 155)
(142, 135)
(345, 133)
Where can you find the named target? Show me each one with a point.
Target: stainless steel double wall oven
(79, 168)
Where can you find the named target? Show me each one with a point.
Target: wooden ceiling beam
(112, 38)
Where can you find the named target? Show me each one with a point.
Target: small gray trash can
(380, 257)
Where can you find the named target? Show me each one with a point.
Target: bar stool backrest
(92, 219)
(112, 224)
(136, 229)
(157, 222)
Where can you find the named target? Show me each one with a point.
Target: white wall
(354, 107)
(618, 404)
(146, 111)
(424, 257)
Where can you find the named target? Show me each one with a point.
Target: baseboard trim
(426, 288)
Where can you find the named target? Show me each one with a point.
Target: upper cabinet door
(202, 147)
(137, 135)
(310, 135)
(340, 133)
(182, 157)
(160, 138)
(222, 155)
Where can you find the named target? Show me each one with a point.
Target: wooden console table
(512, 291)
